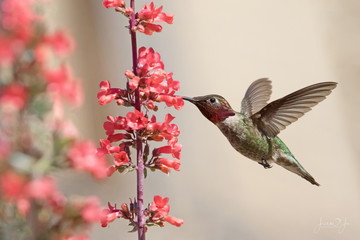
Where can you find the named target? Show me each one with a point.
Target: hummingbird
(253, 131)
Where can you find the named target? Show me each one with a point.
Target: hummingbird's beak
(189, 99)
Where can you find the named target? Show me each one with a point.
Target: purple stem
(139, 149)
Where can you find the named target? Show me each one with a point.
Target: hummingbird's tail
(290, 163)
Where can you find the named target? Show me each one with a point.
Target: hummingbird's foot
(265, 164)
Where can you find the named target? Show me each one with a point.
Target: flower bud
(129, 74)
(125, 210)
(128, 11)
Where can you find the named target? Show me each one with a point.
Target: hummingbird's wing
(278, 114)
(256, 97)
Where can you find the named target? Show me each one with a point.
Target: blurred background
(221, 47)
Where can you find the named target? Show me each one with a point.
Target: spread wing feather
(278, 114)
(256, 96)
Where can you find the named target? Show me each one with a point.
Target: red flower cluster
(152, 130)
(150, 14)
(145, 18)
(154, 83)
(157, 213)
(148, 85)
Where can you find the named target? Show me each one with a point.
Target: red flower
(134, 83)
(109, 215)
(163, 130)
(155, 82)
(149, 28)
(118, 137)
(161, 209)
(175, 164)
(83, 157)
(175, 85)
(174, 221)
(172, 148)
(175, 148)
(118, 123)
(150, 105)
(136, 120)
(148, 60)
(160, 206)
(106, 148)
(148, 15)
(107, 94)
(121, 158)
(171, 100)
(113, 3)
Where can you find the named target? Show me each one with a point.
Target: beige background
(221, 47)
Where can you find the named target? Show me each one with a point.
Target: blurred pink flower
(7, 53)
(18, 17)
(61, 42)
(13, 97)
(92, 211)
(76, 237)
(42, 188)
(83, 157)
(63, 84)
(12, 185)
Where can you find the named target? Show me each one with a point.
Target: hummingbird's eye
(212, 100)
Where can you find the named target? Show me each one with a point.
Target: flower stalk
(146, 84)
(139, 148)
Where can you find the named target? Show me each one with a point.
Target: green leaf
(134, 228)
(145, 172)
